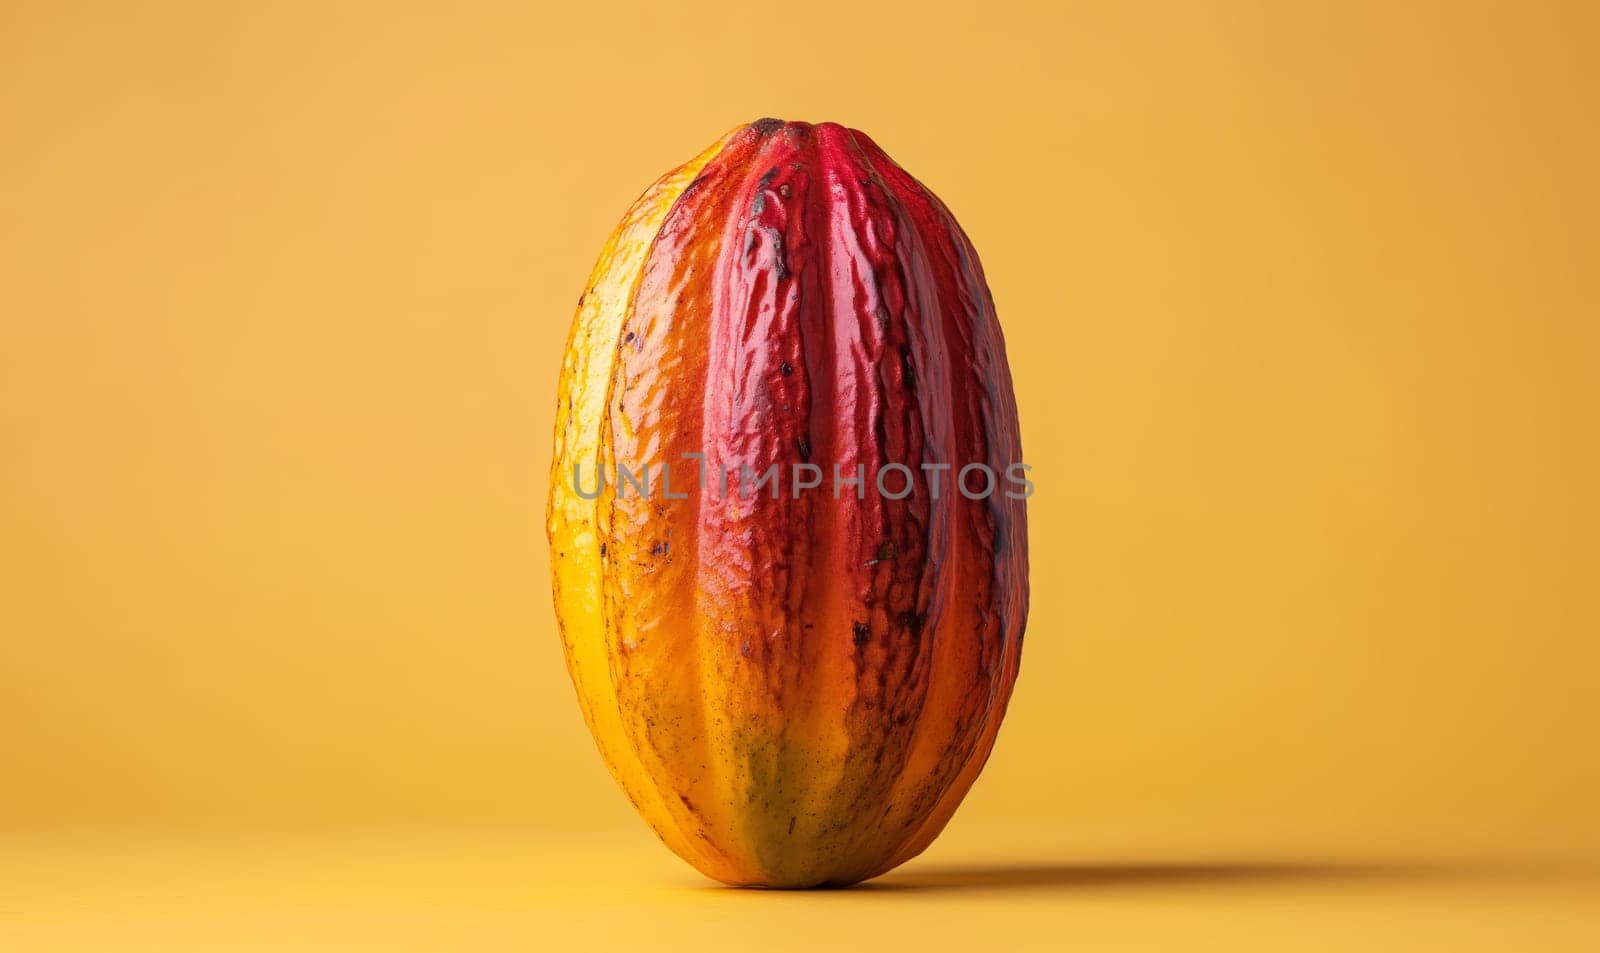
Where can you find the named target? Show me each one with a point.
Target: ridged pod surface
(797, 690)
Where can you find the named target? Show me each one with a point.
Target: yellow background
(1301, 302)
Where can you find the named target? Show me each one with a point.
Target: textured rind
(795, 690)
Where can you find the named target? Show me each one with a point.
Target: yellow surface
(1301, 306)
(1010, 890)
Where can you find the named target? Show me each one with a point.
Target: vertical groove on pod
(577, 548)
(756, 550)
(984, 396)
(656, 604)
